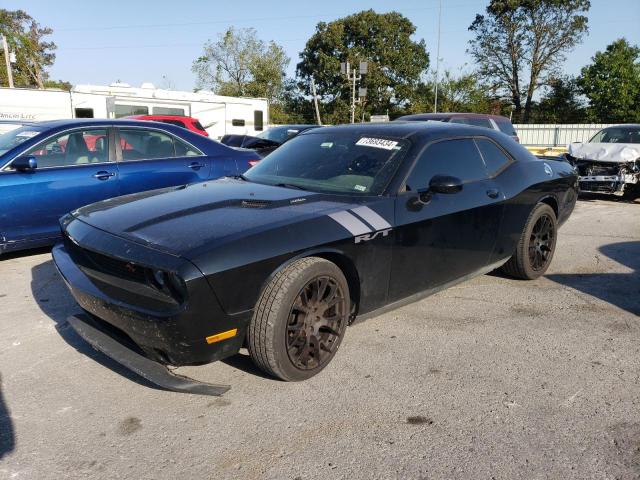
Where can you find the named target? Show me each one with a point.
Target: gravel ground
(494, 378)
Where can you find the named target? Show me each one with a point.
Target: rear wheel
(536, 247)
(300, 319)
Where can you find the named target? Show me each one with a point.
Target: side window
(258, 120)
(141, 144)
(494, 157)
(457, 158)
(126, 110)
(168, 111)
(79, 147)
(185, 150)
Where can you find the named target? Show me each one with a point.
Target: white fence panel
(553, 135)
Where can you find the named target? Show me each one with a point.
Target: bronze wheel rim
(315, 323)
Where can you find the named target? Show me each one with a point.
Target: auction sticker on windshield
(377, 143)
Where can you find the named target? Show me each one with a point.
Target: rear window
(505, 126)
(198, 125)
(475, 121)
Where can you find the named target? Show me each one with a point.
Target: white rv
(218, 114)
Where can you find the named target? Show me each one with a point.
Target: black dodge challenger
(340, 222)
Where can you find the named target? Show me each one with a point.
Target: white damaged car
(609, 162)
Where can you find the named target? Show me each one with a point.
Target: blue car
(50, 168)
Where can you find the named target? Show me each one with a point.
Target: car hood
(195, 219)
(605, 152)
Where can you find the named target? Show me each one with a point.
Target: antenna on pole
(435, 103)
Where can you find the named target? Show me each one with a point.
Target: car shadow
(242, 361)
(56, 302)
(25, 253)
(619, 289)
(592, 197)
(7, 436)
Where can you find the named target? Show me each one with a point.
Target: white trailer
(220, 115)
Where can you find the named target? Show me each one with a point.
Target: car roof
(406, 129)
(78, 122)
(299, 125)
(434, 116)
(162, 117)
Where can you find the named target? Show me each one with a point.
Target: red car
(189, 123)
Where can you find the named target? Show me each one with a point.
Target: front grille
(104, 263)
(118, 268)
(590, 169)
(608, 187)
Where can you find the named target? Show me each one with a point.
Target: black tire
(293, 336)
(534, 253)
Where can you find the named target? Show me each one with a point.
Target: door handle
(104, 175)
(493, 193)
(196, 165)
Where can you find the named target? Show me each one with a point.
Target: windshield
(617, 135)
(279, 134)
(343, 162)
(15, 137)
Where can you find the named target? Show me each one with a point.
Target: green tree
(25, 37)
(560, 103)
(396, 63)
(240, 64)
(611, 83)
(519, 45)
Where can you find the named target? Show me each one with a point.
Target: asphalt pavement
(492, 379)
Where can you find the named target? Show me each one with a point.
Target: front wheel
(536, 246)
(300, 319)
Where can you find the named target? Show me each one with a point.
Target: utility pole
(7, 60)
(315, 100)
(355, 74)
(435, 103)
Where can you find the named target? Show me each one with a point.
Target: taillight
(253, 163)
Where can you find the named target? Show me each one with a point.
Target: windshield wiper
(289, 185)
(240, 176)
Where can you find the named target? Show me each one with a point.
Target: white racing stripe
(372, 218)
(350, 222)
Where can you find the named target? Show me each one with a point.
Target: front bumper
(88, 329)
(167, 332)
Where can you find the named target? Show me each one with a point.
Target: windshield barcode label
(377, 143)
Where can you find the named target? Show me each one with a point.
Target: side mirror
(445, 184)
(25, 163)
(438, 184)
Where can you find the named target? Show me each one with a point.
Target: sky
(157, 41)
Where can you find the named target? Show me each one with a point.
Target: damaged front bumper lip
(152, 371)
